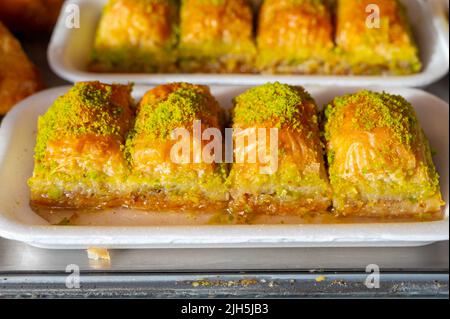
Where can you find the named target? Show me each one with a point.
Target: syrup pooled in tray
(134, 218)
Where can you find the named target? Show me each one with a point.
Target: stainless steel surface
(415, 271)
(252, 285)
(18, 257)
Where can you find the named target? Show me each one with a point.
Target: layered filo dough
(136, 36)
(380, 163)
(374, 37)
(172, 153)
(216, 36)
(79, 153)
(167, 171)
(19, 78)
(295, 37)
(298, 183)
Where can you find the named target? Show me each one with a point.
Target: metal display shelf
(26, 271)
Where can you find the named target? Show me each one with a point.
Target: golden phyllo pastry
(18, 76)
(169, 172)
(298, 182)
(379, 159)
(79, 160)
(295, 37)
(136, 36)
(374, 36)
(216, 36)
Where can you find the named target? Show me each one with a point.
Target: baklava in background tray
(136, 36)
(295, 37)
(386, 47)
(233, 42)
(216, 37)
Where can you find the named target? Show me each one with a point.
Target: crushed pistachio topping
(374, 110)
(86, 109)
(278, 103)
(159, 117)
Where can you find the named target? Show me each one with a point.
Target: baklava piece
(379, 159)
(216, 36)
(295, 37)
(168, 172)
(298, 183)
(79, 159)
(30, 16)
(374, 37)
(19, 78)
(136, 36)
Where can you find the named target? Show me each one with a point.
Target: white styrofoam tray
(19, 222)
(70, 49)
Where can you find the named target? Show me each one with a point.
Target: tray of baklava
(243, 42)
(187, 165)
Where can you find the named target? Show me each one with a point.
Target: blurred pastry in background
(136, 36)
(375, 43)
(295, 37)
(216, 36)
(19, 78)
(30, 15)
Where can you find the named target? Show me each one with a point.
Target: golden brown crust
(75, 156)
(294, 36)
(216, 36)
(386, 48)
(136, 36)
(352, 29)
(206, 21)
(19, 78)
